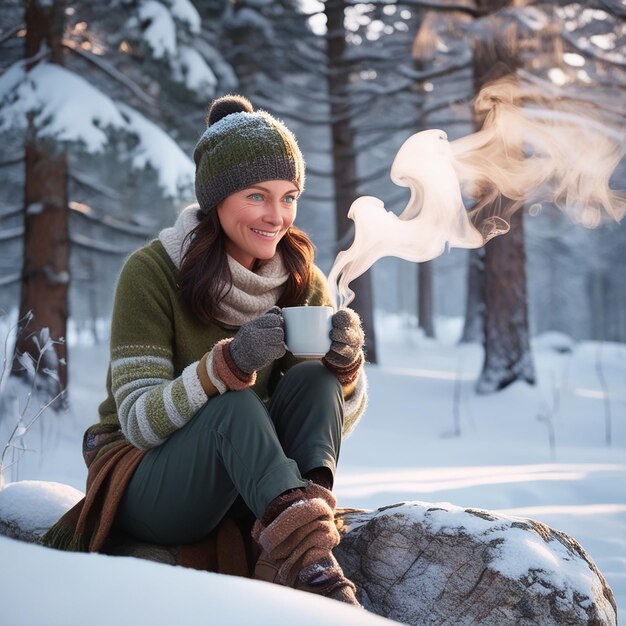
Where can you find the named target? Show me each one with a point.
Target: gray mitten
(259, 342)
(347, 339)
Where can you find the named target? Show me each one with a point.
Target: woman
(200, 382)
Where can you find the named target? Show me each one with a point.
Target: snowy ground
(537, 451)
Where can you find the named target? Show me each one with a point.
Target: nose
(273, 213)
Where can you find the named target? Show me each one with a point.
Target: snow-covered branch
(10, 211)
(7, 234)
(70, 109)
(10, 279)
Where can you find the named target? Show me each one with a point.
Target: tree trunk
(344, 159)
(45, 266)
(507, 346)
(506, 338)
(425, 298)
(474, 327)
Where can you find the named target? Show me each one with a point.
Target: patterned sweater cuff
(349, 373)
(224, 373)
(206, 375)
(355, 405)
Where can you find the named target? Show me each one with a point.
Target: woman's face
(255, 219)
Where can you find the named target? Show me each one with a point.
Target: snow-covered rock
(29, 507)
(435, 564)
(415, 562)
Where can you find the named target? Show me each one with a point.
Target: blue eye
(256, 196)
(289, 199)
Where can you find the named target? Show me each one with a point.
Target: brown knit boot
(297, 544)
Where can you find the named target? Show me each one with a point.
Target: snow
(519, 553)
(426, 436)
(35, 505)
(81, 117)
(175, 169)
(165, 26)
(70, 109)
(184, 11)
(41, 586)
(195, 72)
(160, 34)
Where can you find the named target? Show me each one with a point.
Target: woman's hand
(347, 340)
(259, 342)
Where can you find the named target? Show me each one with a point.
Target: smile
(265, 233)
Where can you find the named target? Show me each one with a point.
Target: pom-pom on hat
(241, 147)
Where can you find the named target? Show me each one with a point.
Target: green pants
(234, 446)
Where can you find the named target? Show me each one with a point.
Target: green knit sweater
(156, 343)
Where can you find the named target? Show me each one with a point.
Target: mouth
(267, 234)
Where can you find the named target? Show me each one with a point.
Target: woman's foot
(297, 535)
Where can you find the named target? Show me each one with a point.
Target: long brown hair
(205, 278)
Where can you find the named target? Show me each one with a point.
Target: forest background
(102, 103)
(490, 361)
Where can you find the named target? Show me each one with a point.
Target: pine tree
(79, 136)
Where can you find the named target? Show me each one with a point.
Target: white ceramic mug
(307, 330)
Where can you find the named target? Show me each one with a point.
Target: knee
(233, 406)
(312, 375)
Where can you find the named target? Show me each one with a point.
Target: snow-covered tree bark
(507, 344)
(506, 338)
(45, 267)
(474, 325)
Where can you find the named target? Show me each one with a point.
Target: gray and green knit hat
(241, 147)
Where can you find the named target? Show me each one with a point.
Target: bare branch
(94, 185)
(111, 222)
(468, 7)
(464, 62)
(99, 246)
(111, 71)
(614, 7)
(11, 162)
(11, 31)
(590, 52)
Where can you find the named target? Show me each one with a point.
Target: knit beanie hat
(241, 147)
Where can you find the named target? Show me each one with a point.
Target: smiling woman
(255, 220)
(208, 419)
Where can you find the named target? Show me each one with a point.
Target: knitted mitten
(345, 356)
(232, 363)
(297, 544)
(259, 342)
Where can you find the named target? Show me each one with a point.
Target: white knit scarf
(252, 293)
